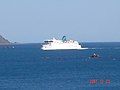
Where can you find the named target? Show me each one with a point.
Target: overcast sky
(82, 20)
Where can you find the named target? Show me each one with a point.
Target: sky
(33, 21)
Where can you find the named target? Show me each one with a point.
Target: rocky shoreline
(3, 41)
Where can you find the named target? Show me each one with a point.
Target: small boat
(95, 56)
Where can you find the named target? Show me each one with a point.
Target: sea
(27, 67)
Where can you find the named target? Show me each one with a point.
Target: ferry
(63, 44)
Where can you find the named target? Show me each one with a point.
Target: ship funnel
(64, 38)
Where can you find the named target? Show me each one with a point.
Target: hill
(3, 40)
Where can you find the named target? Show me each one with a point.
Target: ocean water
(27, 67)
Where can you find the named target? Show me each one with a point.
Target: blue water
(27, 67)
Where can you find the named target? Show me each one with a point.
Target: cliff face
(3, 40)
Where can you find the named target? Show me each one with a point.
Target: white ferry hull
(62, 48)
